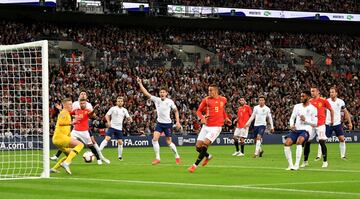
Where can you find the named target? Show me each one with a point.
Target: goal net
(24, 111)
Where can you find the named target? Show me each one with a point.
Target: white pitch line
(209, 185)
(244, 167)
(303, 183)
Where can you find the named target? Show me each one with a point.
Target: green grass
(224, 177)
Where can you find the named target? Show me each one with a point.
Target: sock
(74, 152)
(306, 151)
(156, 147)
(96, 146)
(236, 143)
(201, 155)
(58, 153)
(288, 156)
(319, 151)
(94, 151)
(257, 147)
(120, 150)
(298, 155)
(57, 165)
(323, 149)
(173, 148)
(199, 150)
(103, 144)
(67, 151)
(342, 149)
(242, 147)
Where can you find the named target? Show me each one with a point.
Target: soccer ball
(88, 156)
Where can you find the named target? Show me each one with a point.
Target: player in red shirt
(321, 105)
(213, 107)
(241, 132)
(81, 129)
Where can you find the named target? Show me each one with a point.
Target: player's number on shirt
(216, 109)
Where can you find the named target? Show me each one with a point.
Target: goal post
(24, 111)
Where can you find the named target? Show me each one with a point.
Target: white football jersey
(76, 105)
(117, 115)
(310, 114)
(163, 109)
(337, 106)
(260, 114)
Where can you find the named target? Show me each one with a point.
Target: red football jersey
(244, 113)
(83, 119)
(214, 109)
(321, 105)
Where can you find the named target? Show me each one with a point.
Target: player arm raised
(142, 88)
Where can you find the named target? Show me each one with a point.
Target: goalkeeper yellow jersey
(64, 118)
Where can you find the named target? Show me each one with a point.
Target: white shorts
(241, 132)
(319, 131)
(209, 132)
(83, 136)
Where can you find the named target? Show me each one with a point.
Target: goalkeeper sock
(57, 165)
(74, 152)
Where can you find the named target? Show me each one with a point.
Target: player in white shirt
(164, 123)
(338, 106)
(114, 121)
(305, 115)
(260, 113)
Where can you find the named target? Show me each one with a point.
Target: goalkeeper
(70, 146)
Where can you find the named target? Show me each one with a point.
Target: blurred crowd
(248, 67)
(187, 86)
(340, 6)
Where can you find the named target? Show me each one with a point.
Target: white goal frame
(45, 101)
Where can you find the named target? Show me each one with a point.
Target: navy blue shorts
(294, 135)
(337, 129)
(118, 134)
(166, 128)
(259, 130)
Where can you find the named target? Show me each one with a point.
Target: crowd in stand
(248, 67)
(341, 6)
(187, 86)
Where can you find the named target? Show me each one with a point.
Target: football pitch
(224, 177)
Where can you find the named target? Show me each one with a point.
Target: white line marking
(210, 185)
(304, 183)
(239, 166)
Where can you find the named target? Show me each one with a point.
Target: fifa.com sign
(190, 140)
